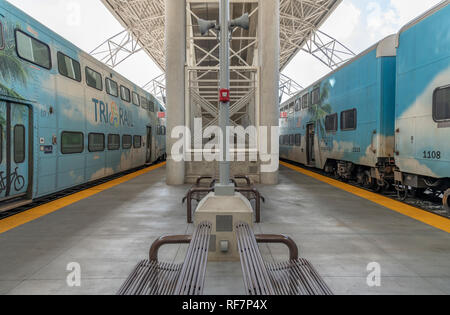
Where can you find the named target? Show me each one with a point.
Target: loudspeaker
(205, 26)
(243, 22)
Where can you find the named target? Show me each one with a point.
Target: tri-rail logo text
(112, 114)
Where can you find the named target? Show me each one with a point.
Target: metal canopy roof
(299, 22)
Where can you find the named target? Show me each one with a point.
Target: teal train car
(422, 111)
(384, 117)
(344, 123)
(65, 118)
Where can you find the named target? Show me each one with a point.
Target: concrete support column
(269, 63)
(175, 39)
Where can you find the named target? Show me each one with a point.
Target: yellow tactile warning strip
(397, 206)
(40, 211)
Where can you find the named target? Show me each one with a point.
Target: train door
(15, 155)
(149, 145)
(310, 138)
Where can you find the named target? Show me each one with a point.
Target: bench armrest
(279, 239)
(167, 240)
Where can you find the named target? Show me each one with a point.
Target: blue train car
(65, 118)
(344, 123)
(422, 115)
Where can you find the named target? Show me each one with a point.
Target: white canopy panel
(299, 22)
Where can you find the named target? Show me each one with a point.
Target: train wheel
(367, 181)
(446, 201)
(336, 175)
(379, 186)
(402, 193)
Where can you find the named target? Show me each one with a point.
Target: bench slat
(256, 277)
(151, 277)
(294, 277)
(192, 277)
(297, 278)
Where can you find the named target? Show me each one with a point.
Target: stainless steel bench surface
(151, 277)
(293, 277)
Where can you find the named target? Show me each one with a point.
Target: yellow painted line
(40, 211)
(397, 206)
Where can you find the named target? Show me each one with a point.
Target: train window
(331, 123)
(305, 101)
(127, 142)
(137, 142)
(1, 143)
(144, 103)
(33, 50)
(315, 96)
(94, 79)
(136, 99)
(151, 106)
(125, 94)
(441, 104)
(19, 144)
(298, 106)
(291, 108)
(96, 142)
(298, 140)
(69, 67)
(348, 120)
(291, 140)
(113, 142)
(112, 88)
(2, 40)
(72, 142)
(286, 140)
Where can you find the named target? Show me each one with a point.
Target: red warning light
(161, 115)
(224, 95)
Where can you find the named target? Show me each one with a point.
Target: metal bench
(151, 277)
(294, 277)
(200, 191)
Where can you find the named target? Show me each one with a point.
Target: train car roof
(420, 18)
(384, 48)
(55, 36)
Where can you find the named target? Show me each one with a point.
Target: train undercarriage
(386, 176)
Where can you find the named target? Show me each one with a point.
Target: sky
(358, 24)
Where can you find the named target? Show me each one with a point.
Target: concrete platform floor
(107, 234)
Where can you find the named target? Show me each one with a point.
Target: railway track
(427, 201)
(68, 192)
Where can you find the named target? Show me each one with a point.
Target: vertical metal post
(224, 110)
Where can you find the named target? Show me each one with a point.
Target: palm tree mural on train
(11, 68)
(319, 111)
(12, 71)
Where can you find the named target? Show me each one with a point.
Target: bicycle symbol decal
(16, 180)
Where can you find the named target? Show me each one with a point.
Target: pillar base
(175, 172)
(224, 212)
(269, 178)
